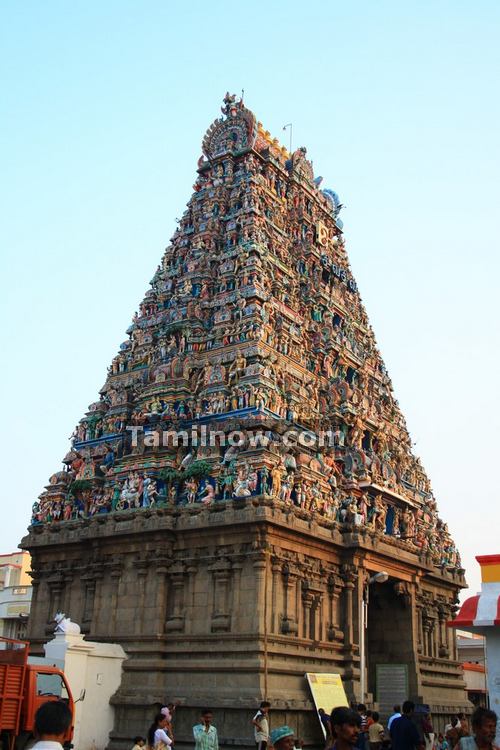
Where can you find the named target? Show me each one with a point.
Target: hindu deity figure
(356, 433)
(109, 459)
(116, 496)
(67, 509)
(328, 365)
(130, 491)
(242, 483)
(191, 487)
(226, 481)
(300, 494)
(315, 498)
(264, 480)
(286, 490)
(378, 514)
(207, 496)
(276, 474)
(149, 492)
(230, 454)
(237, 368)
(35, 512)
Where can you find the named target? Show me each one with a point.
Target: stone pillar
(443, 615)
(191, 572)
(115, 574)
(349, 577)
(160, 613)
(89, 589)
(221, 617)
(420, 630)
(33, 625)
(259, 567)
(175, 621)
(334, 589)
(260, 618)
(307, 607)
(142, 570)
(285, 572)
(275, 607)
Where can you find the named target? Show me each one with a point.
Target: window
(51, 684)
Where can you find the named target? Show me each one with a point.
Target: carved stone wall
(232, 603)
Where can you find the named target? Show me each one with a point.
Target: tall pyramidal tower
(245, 473)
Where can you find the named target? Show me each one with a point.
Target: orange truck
(24, 687)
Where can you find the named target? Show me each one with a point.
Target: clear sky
(103, 107)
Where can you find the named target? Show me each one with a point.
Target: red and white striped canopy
(480, 611)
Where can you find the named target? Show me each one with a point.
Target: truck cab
(24, 688)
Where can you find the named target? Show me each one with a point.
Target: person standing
(442, 743)
(464, 725)
(395, 715)
(325, 721)
(428, 731)
(157, 733)
(375, 732)
(345, 723)
(363, 729)
(452, 731)
(282, 738)
(205, 734)
(484, 727)
(168, 712)
(404, 733)
(261, 726)
(52, 721)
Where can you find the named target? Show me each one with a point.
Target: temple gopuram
(246, 472)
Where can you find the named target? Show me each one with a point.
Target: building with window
(472, 655)
(15, 594)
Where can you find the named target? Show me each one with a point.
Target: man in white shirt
(52, 722)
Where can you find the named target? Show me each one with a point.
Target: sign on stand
(327, 691)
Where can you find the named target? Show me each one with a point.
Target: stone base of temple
(232, 603)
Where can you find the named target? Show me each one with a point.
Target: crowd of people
(160, 735)
(344, 728)
(348, 728)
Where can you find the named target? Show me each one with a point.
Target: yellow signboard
(327, 690)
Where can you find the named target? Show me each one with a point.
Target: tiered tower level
(247, 468)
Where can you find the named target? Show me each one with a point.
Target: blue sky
(102, 113)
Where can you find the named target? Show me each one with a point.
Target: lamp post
(380, 577)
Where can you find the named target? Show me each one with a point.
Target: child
(261, 726)
(375, 732)
(442, 744)
(139, 743)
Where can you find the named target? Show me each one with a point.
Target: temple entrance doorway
(390, 646)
